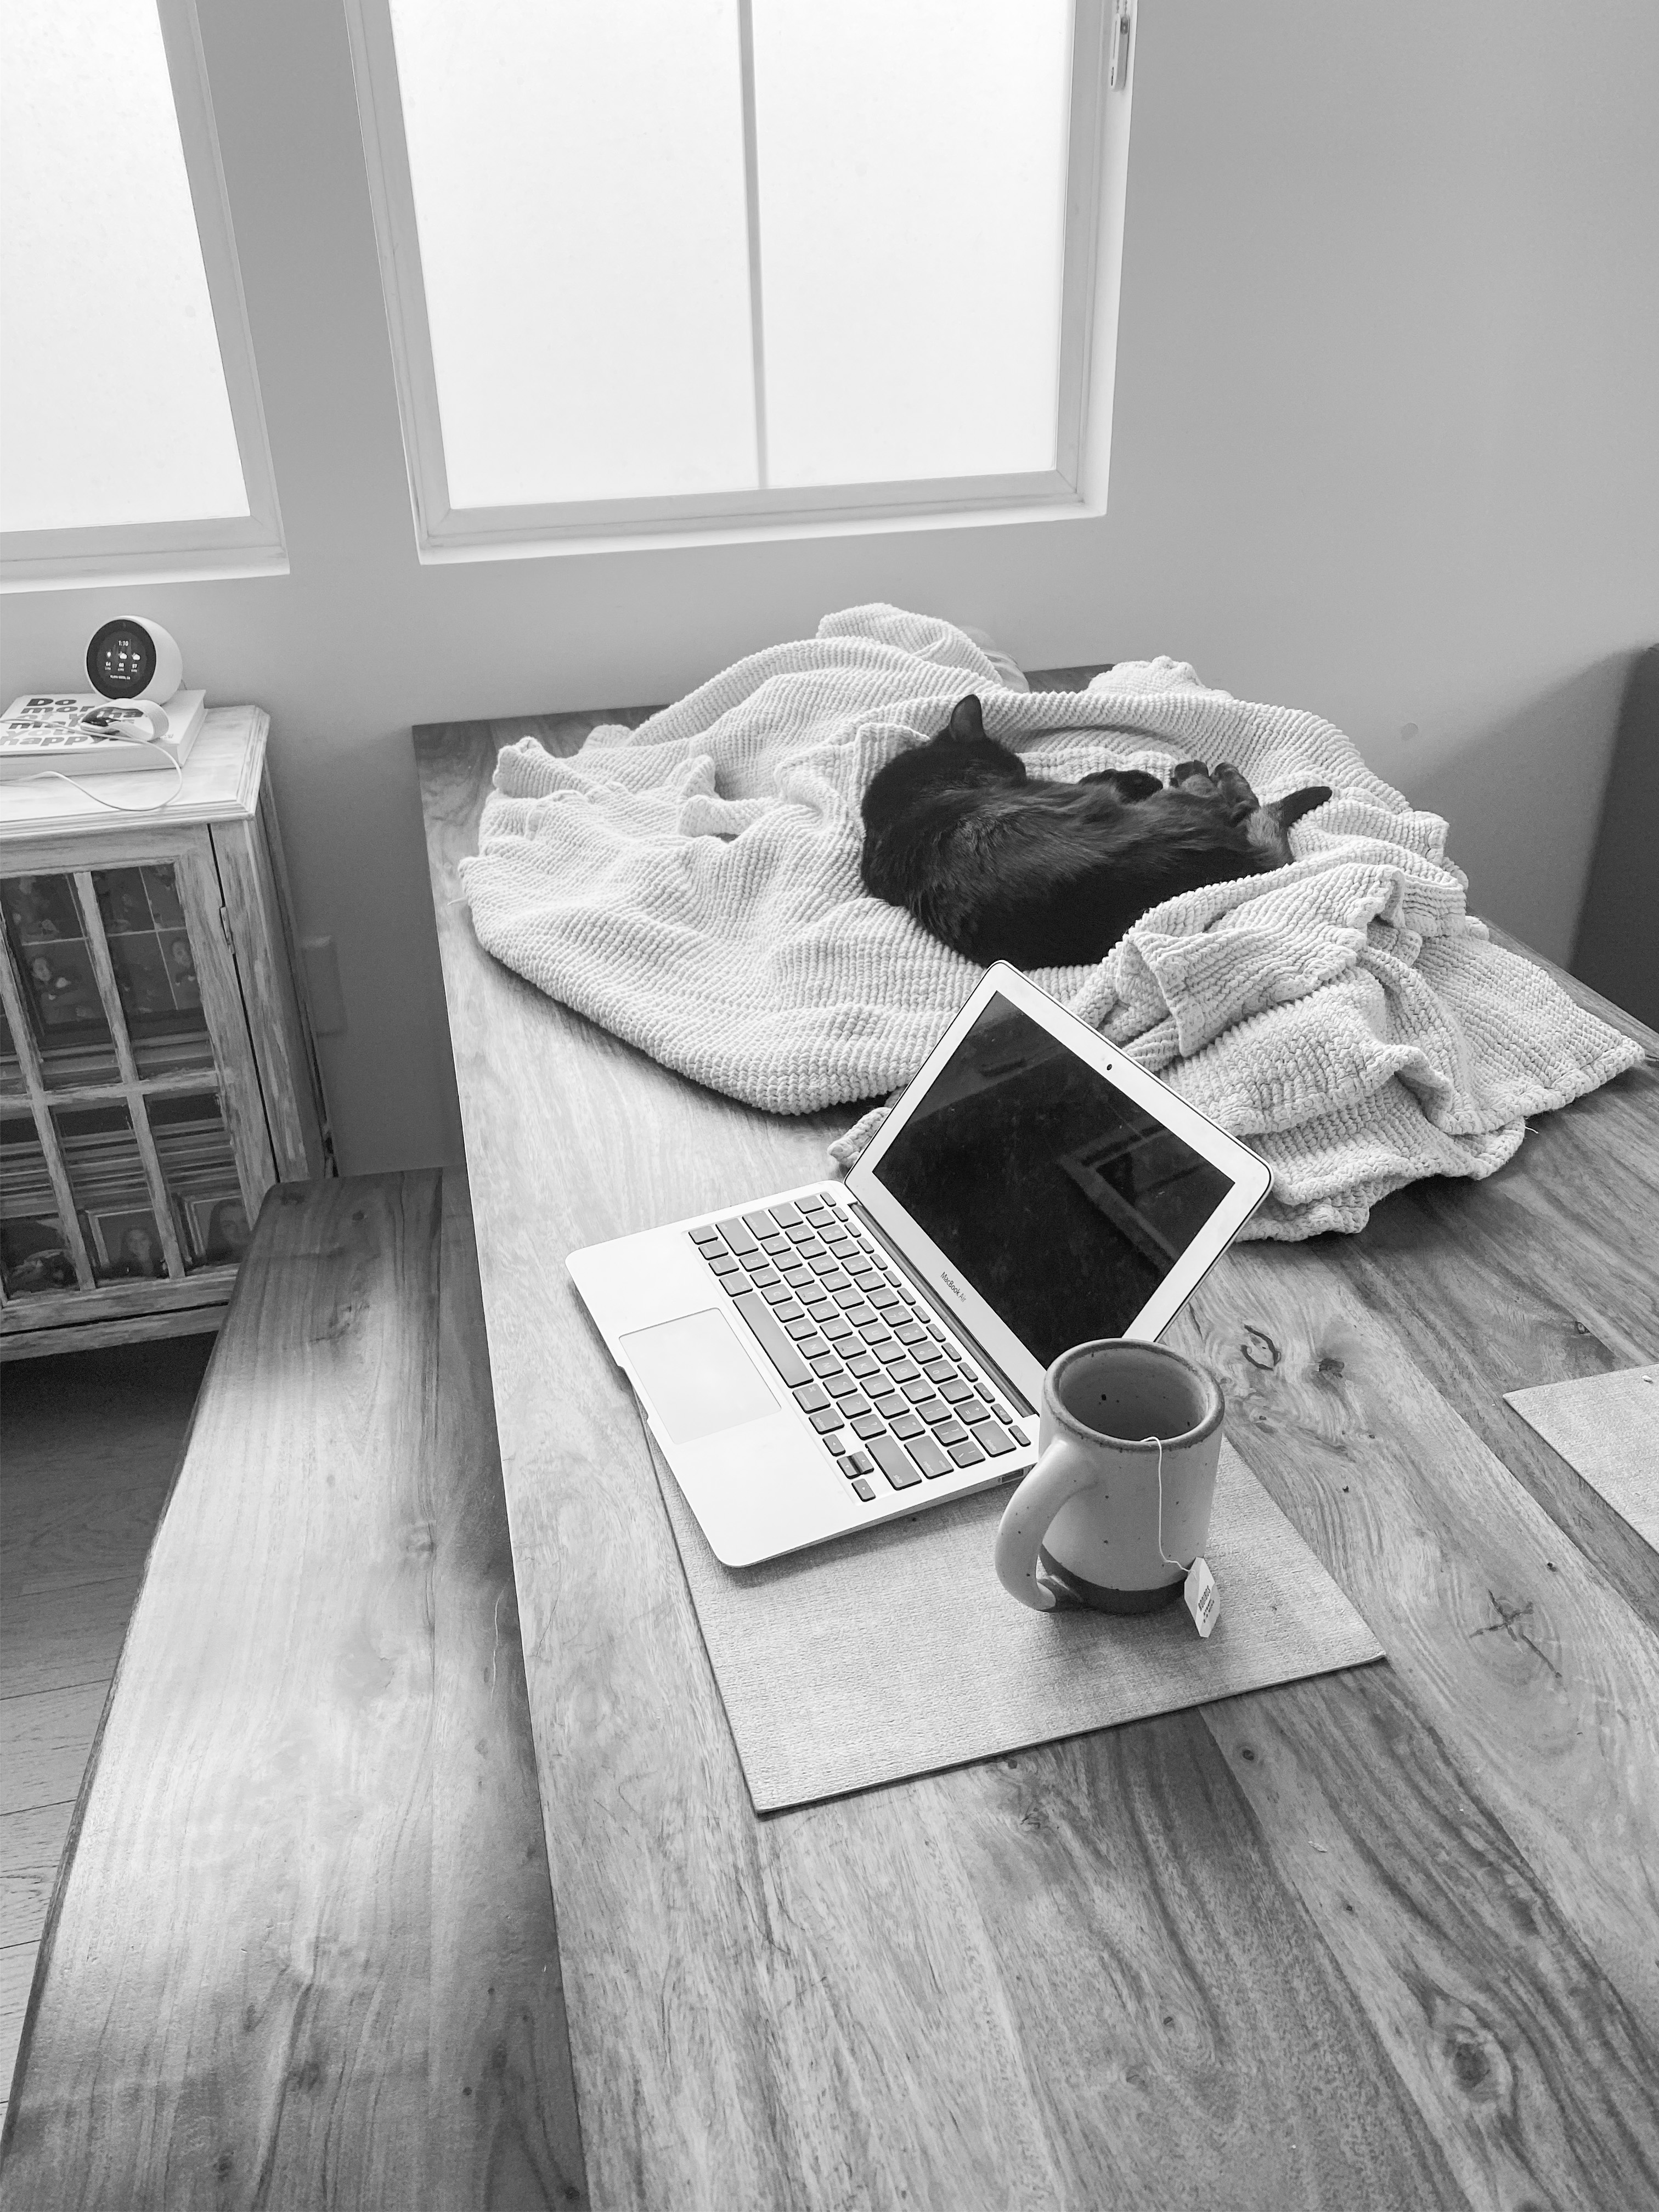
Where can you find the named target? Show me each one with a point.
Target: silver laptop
(844, 1353)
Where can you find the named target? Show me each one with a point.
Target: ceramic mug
(1088, 1525)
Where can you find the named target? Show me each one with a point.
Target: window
(131, 441)
(672, 268)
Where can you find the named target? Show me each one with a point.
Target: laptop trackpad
(698, 1376)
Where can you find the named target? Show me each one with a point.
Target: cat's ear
(966, 720)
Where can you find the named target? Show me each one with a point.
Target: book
(45, 731)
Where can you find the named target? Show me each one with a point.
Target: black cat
(1049, 875)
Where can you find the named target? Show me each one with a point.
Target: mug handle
(1055, 1480)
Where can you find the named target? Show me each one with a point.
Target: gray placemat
(898, 1652)
(1606, 1429)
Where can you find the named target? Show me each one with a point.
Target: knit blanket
(693, 885)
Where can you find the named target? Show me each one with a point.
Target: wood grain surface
(220, 780)
(236, 1077)
(302, 1951)
(36, 1323)
(502, 2111)
(91, 922)
(1605, 1427)
(1537, 1677)
(266, 963)
(129, 1327)
(1386, 1938)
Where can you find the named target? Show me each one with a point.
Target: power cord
(89, 721)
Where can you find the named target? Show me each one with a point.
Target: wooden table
(1386, 1938)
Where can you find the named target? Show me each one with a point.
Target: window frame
(229, 545)
(444, 532)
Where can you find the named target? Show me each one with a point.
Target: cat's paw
(1128, 784)
(1234, 792)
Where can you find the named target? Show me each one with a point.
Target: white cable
(115, 805)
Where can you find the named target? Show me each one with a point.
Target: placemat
(1606, 1429)
(898, 1652)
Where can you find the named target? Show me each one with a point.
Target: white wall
(1385, 447)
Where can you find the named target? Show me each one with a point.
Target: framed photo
(180, 959)
(219, 1229)
(61, 984)
(141, 974)
(121, 901)
(40, 910)
(163, 894)
(33, 1257)
(128, 1245)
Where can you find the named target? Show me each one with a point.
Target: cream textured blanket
(693, 885)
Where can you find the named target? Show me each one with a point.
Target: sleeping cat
(1049, 875)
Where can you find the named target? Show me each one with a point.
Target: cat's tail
(1288, 810)
(1269, 827)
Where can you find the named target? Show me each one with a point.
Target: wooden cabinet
(157, 1067)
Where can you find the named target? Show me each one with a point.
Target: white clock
(132, 658)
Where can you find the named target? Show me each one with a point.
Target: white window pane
(113, 393)
(912, 180)
(578, 178)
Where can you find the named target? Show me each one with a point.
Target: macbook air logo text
(961, 1289)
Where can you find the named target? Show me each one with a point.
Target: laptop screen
(1063, 1202)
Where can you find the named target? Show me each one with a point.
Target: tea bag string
(1162, 1554)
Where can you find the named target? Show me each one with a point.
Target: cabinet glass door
(199, 1169)
(119, 1220)
(153, 964)
(11, 1073)
(52, 960)
(135, 1145)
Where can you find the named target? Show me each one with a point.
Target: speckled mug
(1087, 1525)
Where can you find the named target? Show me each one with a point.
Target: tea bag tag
(1201, 1597)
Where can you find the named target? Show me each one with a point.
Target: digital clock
(132, 658)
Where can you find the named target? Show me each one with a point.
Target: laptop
(822, 1358)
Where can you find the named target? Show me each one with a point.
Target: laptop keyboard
(857, 1346)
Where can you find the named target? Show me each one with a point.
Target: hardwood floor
(88, 1443)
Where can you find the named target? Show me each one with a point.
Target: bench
(301, 1950)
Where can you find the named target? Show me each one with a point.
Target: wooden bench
(303, 1950)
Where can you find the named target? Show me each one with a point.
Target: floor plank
(31, 1845)
(47, 1736)
(92, 1440)
(52, 1639)
(60, 1539)
(17, 1971)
